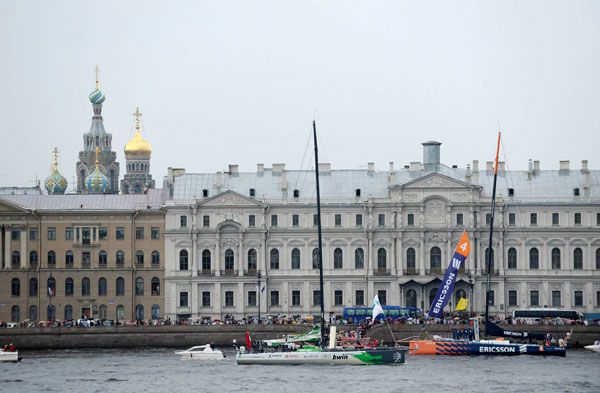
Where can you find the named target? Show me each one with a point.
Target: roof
(20, 190)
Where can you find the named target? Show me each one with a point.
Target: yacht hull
(333, 357)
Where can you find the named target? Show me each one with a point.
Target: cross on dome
(97, 71)
(137, 115)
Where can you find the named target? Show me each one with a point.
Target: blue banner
(444, 293)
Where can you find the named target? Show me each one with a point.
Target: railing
(493, 272)
(411, 272)
(251, 272)
(435, 270)
(206, 272)
(382, 272)
(229, 272)
(463, 271)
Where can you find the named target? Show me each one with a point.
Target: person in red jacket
(11, 347)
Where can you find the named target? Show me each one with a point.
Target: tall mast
(489, 256)
(320, 240)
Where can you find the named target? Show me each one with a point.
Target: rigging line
(303, 158)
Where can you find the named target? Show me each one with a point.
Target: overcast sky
(239, 82)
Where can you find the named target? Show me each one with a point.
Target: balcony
(493, 272)
(206, 272)
(229, 272)
(463, 271)
(251, 272)
(411, 272)
(435, 270)
(382, 272)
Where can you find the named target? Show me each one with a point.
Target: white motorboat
(594, 347)
(9, 356)
(201, 352)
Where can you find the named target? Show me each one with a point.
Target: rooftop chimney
(530, 173)
(536, 167)
(284, 184)
(489, 166)
(278, 168)
(391, 167)
(415, 166)
(260, 169)
(392, 177)
(475, 165)
(233, 169)
(324, 167)
(219, 180)
(371, 166)
(584, 165)
(431, 154)
(468, 174)
(564, 165)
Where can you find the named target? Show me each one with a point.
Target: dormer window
(511, 192)
(252, 193)
(296, 194)
(576, 191)
(358, 192)
(205, 193)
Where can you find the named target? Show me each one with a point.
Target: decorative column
(23, 247)
(241, 255)
(216, 265)
(7, 236)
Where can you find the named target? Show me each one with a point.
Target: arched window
(295, 258)
(33, 287)
(183, 260)
(357, 192)
(120, 312)
(15, 287)
(252, 192)
(296, 194)
(555, 258)
(359, 258)
(85, 287)
(15, 314)
(120, 289)
(411, 298)
(489, 256)
(69, 258)
(338, 258)
(432, 294)
(534, 258)
(382, 258)
(155, 286)
(69, 287)
(139, 312)
(68, 312)
(460, 293)
(435, 258)
(33, 314)
(102, 290)
(206, 260)
(229, 259)
(577, 258)
(102, 258)
(51, 258)
(139, 257)
(411, 258)
(512, 258)
(315, 258)
(120, 258)
(155, 257)
(251, 260)
(139, 286)
(16, 258)
(33, 258)
(51, 312)
(155, 311)
(103, 311)
(274, 258)
(51, 286)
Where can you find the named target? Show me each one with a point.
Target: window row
(555, 299)
(86, 258)
(555, 258)
(85, 287)
(87, 234)
(533, 219)
(68, 312)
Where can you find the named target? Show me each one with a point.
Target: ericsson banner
(444, 293)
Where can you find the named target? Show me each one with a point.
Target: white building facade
(386, 233)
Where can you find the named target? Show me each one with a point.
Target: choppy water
(158, 370)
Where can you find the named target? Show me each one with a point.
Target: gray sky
(238, 82)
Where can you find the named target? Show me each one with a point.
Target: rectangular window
(155, 233)
(577, 218)
(512, 298)
(33, 234)
(338, 220)
(360, 298)
(295, 220)
(228, 298)
(183, 299)
(295, 298)
(206, 221)
(492, 298)
(120, 233)
(315, 219)
(359, 220)
(555, 298)
(488, 218)
(316, 298)
(382, 295)
(15, 234)
(597, 218)
(86, 235)
(511, 219)
(597, 298)
(69, 233)
(338, 298)
(534, 298)
(251, 220)
(183, 221)
(205, 299)
(533, 219)
(273, 220)
(459, 219)
(139, 233)
(381, 220)
(252, 298)
(51, 233)
(274, 298)
(102, 233)
(578, 298)
(410, 220)
(555, 219)
(86, 258)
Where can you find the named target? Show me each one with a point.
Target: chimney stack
(530, 173)
(260, 169)
(431, 155)
(536, 167)
(564, 165)
(233, 169)
(284, 184)
(584, 165)
(324, 167)
(371, 166)
(415, 166)
(278, 168)
(219, 180)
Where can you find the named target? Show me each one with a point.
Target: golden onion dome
(137, 146)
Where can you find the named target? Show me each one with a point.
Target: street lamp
(258, 290)
(471, 293)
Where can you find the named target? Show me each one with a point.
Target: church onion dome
(97, 97)
(96, 181)
(137, 146)
(55, 183)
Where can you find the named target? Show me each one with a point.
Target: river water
(159, 370)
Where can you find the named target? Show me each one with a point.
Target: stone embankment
(223, 336)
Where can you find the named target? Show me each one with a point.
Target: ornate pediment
(578, 242)
(229, 243)
(435, 180)
(382, 243)
(555, 242)
(358, 243)
(338, 242)
(252, 244)
(435, 238)
(229, 199)
(206, 244)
